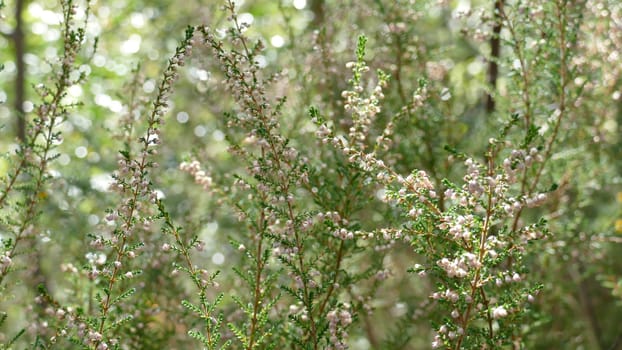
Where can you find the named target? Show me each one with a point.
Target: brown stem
(475, 283)
(257, 294)
(332, 285)
(317, 7)
(19, 40)
(586, 300)
(194, 274)
(491, 333)
(398, 70)
(369, 331)
(120, 249)
(520, 54)
(495, 51)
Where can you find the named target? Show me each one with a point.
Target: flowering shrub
(387, 190)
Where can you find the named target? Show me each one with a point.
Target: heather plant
(24, 184)
(294, 222)
(377, 175)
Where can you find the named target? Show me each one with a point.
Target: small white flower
(5, 260)
(499, 312)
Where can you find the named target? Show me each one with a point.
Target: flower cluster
(200, 176)
(338, 321)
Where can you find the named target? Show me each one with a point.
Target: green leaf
(120, 322)
(188, 305)
(128, 293)
(200, 337)
(239, 334)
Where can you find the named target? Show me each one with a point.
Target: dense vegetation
(310, 174)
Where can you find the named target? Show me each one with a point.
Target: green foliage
(312, 175)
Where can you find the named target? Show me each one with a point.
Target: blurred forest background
(309, 43)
